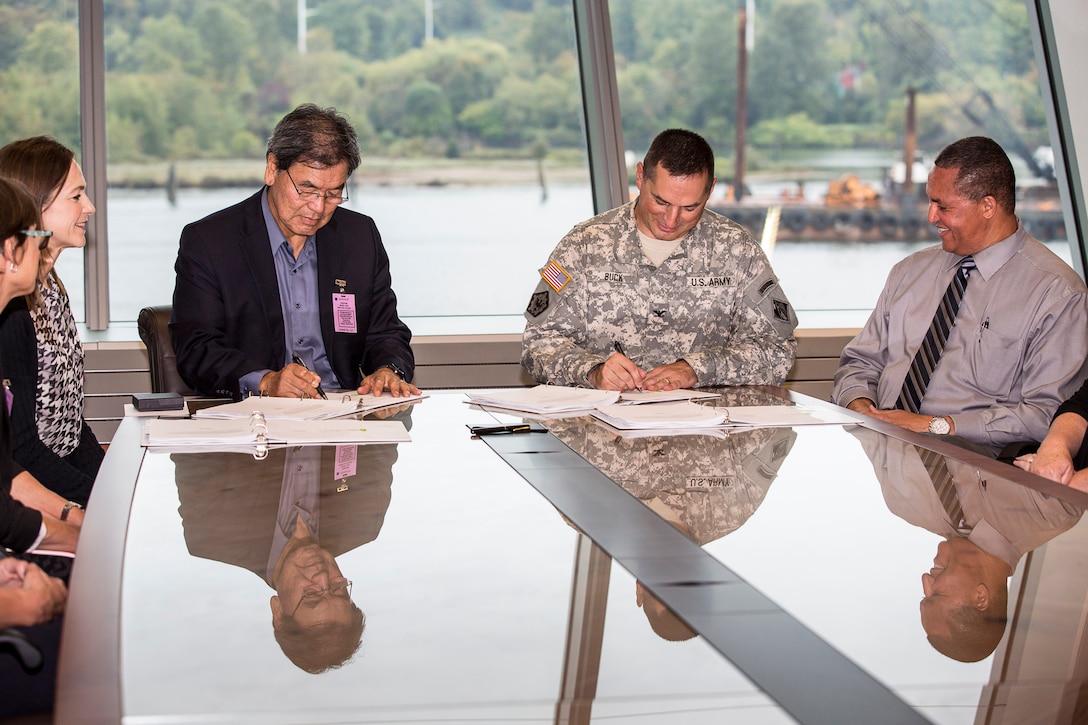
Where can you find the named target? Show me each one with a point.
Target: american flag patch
(555, 276)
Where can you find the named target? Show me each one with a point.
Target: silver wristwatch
(395, 368)
(939, 425)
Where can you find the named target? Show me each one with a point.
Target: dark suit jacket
(19, 524)
(227, 320)
(229, 502)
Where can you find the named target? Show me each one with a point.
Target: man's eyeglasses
(332, 197)
(313, 595)
(44, 235)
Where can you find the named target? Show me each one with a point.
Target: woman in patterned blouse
(39, 344)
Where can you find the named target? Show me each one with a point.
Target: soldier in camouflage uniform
(705, 485)
(709, 311)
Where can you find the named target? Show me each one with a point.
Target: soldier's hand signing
(617, 373)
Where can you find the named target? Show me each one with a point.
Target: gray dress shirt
(1018, 348)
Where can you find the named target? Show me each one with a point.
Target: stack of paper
(368, 403)
(281, 408)
(545, 399)
(638, 397)
(720, 432)
(767, 416)
(240, 431)
(681, 414)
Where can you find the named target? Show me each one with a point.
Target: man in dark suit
(286, 293)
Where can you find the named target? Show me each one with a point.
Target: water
(465, 259)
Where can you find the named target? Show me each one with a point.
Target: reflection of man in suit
(286, 518)
(705, 485)
(988, 524)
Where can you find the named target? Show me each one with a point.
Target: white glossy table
(498, 582)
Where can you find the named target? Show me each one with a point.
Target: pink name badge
(346, 460)
(343, 313)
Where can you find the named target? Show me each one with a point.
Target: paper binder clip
(260, 430)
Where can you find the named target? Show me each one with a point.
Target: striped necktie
(945, 488)
(929, 354)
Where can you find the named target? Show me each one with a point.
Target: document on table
(665, 416)
(545, 399)
(765, 416)
(638, 397)
(281, 408)
(293, 408)
(242, 431)
(719, 432)
(368, 403)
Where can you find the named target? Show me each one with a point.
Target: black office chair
(26, 653)
(154, 331)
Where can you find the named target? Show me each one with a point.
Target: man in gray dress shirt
(1020, 339)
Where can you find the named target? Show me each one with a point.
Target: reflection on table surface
(429, 582)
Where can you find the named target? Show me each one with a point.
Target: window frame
(1048, 20)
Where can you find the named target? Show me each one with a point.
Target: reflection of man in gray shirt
(1020, 339)
(996, 521)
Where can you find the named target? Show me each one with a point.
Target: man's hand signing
(294, 381)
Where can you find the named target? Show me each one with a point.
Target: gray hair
(311, 135)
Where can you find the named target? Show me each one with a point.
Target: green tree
(137, 118)
(549, 35)
(164, 45)
(790, 70)
(51, 47)
(427, 111)
(227, 39)
(713, 54)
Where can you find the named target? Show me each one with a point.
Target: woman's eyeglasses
(42, 234)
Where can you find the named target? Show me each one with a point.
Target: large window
(39, 72)
(839, 93)
(470, 115)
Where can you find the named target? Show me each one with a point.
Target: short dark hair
(312, 135)
(18, 210)
(681, 153)
(324, 647)
(973, 634)
(984, 170)
(41, 162)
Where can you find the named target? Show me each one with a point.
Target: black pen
(619, 348)
(298, 361)
(501, 429)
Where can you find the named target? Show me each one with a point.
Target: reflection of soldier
(285, 518)
(988, 523)
(705, 485)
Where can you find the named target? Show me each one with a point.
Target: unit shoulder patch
(538, 303)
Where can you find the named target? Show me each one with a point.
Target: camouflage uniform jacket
(712, 485)
(715, 302)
